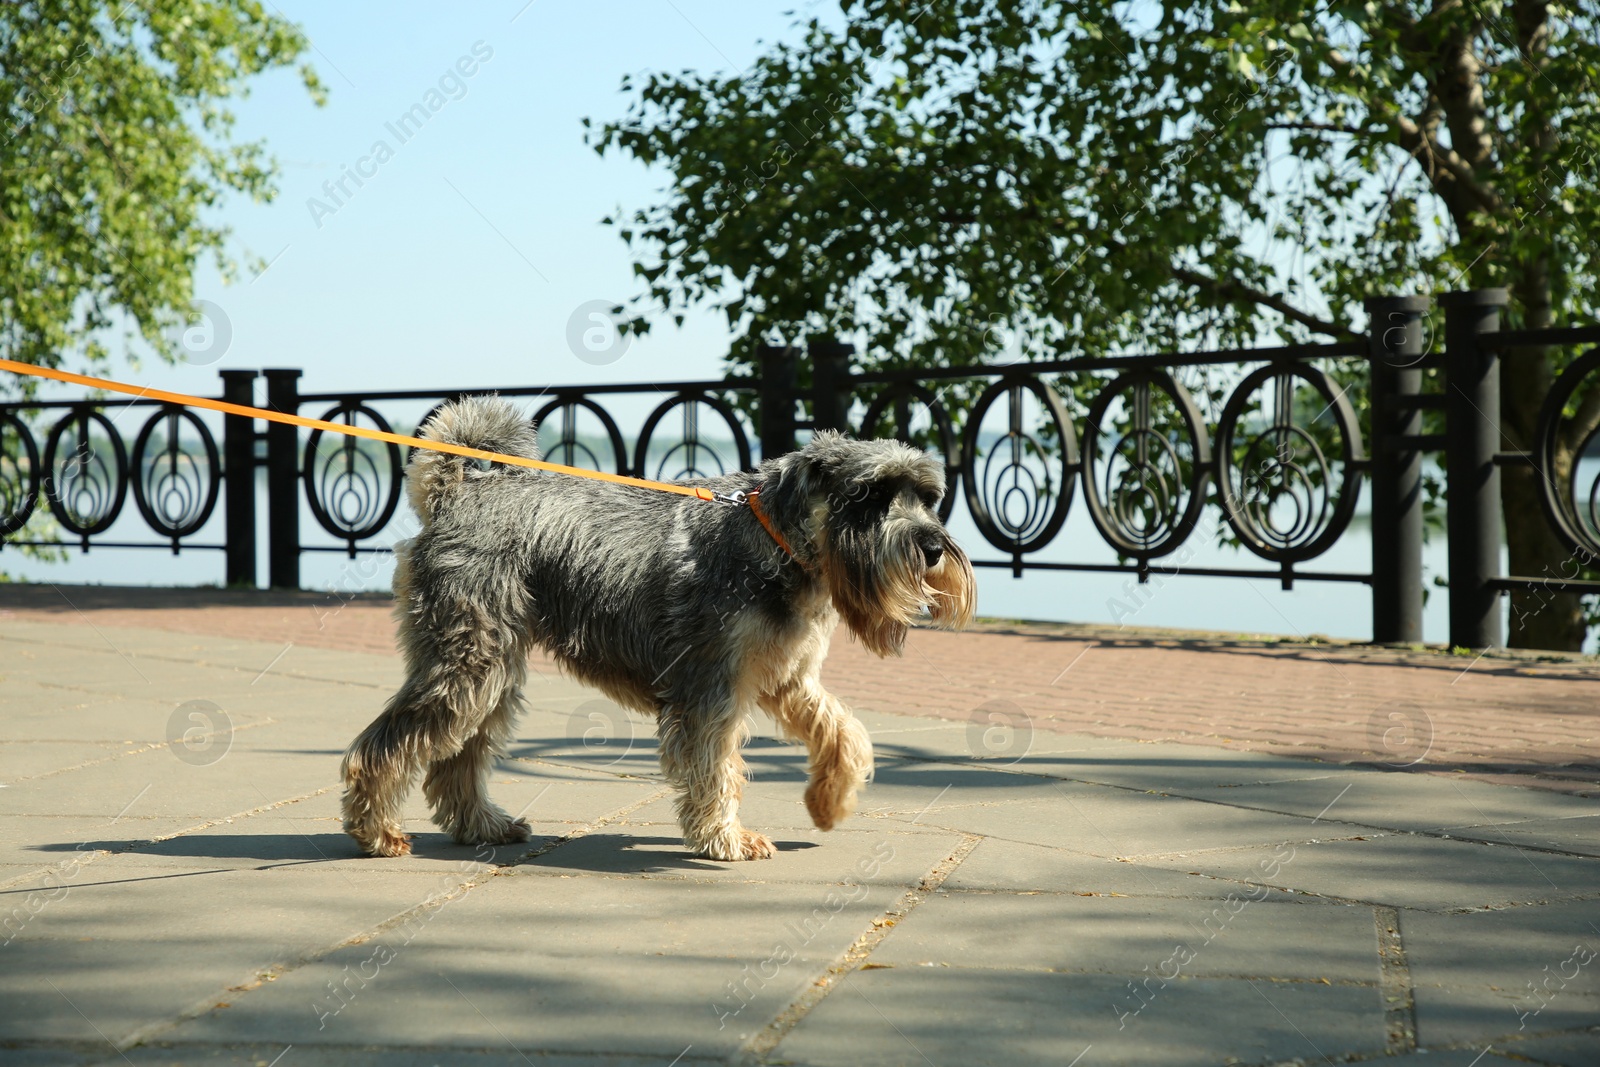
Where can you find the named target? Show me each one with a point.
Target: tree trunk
(1538, 619)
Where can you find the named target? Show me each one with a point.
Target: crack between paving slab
(498, 1052)
(208, 663)
(765, 1041)
(151, 747)
(432, 904)
(1399, 1000)
(131, 845)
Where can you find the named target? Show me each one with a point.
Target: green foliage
(946, 180)
(116, 143)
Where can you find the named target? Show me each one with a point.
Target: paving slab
(1578, 1048)
(987, 1017)
(1399, 800)
(1406, 871)
(1246, 936)
(1009, 866)
(395, 993)
(1575, 834)
(1007, 892)
(1120, 823)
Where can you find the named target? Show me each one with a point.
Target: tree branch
(1451, 176)
(1232, 290)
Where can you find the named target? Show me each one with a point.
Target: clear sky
(463, 255)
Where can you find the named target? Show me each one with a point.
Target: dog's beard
(880, 583)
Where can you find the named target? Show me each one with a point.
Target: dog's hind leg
(457, 786)
(839, 747)
(700, 757)
(460, 673)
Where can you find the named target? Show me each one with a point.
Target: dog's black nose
(933, 552)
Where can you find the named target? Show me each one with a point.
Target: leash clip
(738, 498)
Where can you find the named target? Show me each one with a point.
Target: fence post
(775, 399)
(830, 384)
(283, 482)
(239, 480)
(1395, 348)
(1472, 480)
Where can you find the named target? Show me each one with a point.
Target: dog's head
(486, 422)
(865, 514)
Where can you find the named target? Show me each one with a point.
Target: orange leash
(223, 406)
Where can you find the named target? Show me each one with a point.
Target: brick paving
(1508, 717)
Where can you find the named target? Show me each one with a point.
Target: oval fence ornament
(1567, 456)
(177, 471)
(86, 472)
(352, 485)
(561, 440)
(1289, 464)
(1146, 460)
(1018, 486)
(20, 474)
(691, 455)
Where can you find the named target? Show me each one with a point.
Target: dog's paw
(507, 832)
(749, 845)
(826, 806)
(496, 829)
(754, 846)
(387, 843)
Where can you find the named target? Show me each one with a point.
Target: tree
(116, 142)
(1107, 175)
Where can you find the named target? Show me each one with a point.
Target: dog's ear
(795, 489)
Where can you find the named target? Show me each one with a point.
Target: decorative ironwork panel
(895, 401)
(1567, 455)
(86, 472)
(691, 456)
(568, 448)
(353, 486)
(175, 484)
(1020, 489)
(1288, 468)
(19, 474)
(1145, 489)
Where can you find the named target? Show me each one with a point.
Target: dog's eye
(930, 501)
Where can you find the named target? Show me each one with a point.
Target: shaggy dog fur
(684, 610)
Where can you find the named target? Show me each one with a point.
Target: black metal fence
(1279, 470)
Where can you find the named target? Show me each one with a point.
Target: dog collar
(752, 499)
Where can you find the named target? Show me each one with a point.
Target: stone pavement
(1504, 717)
(174, 887)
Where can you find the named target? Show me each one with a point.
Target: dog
(693, 612)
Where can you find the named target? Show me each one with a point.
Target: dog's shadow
(599, 853)
(624, 853)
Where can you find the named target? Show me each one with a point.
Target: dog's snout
(932, 552)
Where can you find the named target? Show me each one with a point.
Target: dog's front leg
(839, 747)
(700, 757)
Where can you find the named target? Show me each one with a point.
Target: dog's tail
(486, 422)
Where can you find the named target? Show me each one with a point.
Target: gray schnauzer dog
(695, 613)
